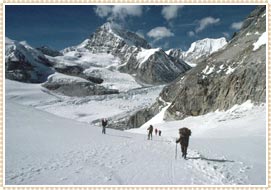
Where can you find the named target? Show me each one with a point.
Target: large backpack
(185, 132)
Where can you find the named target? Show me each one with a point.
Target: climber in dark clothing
(150, 129)
(185, 133)
(104, 123)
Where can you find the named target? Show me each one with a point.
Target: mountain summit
(203, 48)
(111, 38)
(198, 50)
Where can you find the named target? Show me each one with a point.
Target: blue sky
(60, 26)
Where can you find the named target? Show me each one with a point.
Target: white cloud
(171, 11)
(103, 10)
(236, 25)
(159, 33)
(118, 11)
(207, 21)
(191, 33)
(226, 34)
(122, 11)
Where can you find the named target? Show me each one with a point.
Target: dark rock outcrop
(76, 70)
(76, 88)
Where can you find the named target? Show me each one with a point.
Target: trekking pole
(176, 151)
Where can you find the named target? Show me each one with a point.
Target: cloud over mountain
(118, 12)
(160, 32)
(205, 22)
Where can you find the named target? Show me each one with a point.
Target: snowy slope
(44, 149)
(233, 141)
(61, 151)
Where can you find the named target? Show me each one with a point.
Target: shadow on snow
(208, 159)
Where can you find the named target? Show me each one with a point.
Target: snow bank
(261, 41)
(208, 70)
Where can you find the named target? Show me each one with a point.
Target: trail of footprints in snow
(98, 159)
(24, 174)
(92, 157)
(218, 171)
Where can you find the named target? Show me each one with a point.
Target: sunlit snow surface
(41, 148)
(261, 41)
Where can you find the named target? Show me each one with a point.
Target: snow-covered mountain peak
(128, 37)
(206, 45)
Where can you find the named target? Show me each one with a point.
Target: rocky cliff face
(24, 63)
(233, 75)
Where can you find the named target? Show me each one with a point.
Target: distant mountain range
(147, 65)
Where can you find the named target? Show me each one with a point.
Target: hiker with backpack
(104, 123)
(150, 129)
(185, 133)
